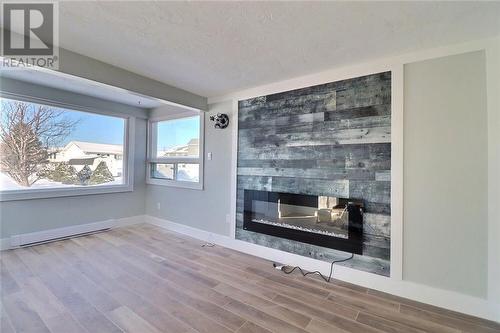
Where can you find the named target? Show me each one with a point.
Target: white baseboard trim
(438, 297)
(44, 235)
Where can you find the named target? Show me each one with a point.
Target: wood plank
(18, 270)
(437, 310)
(380, 110)
(293, 317)
(243, 296)
(389, 315)
(334, 283)
(130, 321)
(375, 151)
(377, 224)
(21, 315)
(328, 317)
(460, 324)
(7, 283)
(318, 326)
(86, 314)
(325, 314)
(41, 299)
(315, 122)
(262, 318)
(385, 325)
(312, 139)
(250, 327)
(339, 188)
(298, 285)
(5, 324)
(64, 323)
(365, 298)
(333, 174)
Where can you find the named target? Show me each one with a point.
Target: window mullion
(170, 160)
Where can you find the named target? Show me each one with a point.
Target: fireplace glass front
(321, 220)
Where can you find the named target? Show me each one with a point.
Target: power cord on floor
(286, 271)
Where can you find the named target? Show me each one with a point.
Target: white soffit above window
(52, 79)
(172, 112)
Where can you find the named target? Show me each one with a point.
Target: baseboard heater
(57, 234)
(50, 240)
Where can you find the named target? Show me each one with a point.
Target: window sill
(176, 184)
(62, 192)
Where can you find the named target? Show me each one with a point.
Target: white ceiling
(212, 48)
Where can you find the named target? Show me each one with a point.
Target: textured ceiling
(212, 48)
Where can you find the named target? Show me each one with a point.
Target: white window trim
(128, 159)
(153, 159)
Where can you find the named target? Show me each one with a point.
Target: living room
(250, 166)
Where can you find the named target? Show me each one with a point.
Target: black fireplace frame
(353, 243)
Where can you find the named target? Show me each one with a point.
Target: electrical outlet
(158, 206)
(209, 156)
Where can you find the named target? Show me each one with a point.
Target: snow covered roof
(99, 148)
(188, 149)
(177, 149)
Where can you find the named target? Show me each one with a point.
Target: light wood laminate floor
(145, 279)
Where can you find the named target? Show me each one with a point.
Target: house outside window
(66, 151)
(176, 151)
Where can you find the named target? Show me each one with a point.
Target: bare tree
(26, 132)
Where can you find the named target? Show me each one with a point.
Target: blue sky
(96, 128)
(177, 132)
(105, 129)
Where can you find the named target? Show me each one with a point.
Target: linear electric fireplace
(326, 221)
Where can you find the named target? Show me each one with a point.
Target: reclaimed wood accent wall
(331, 139)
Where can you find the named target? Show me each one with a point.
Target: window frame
(153, 159)
(128, 156)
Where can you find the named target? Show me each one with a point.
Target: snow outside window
(47, 151)
(176, 151)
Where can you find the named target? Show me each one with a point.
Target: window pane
(188, 172)
(178, 137)
(162, 171)
(61, 148)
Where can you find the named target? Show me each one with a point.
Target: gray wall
(205, 209)
(92, 69)
(23, 216)
(445, 174)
